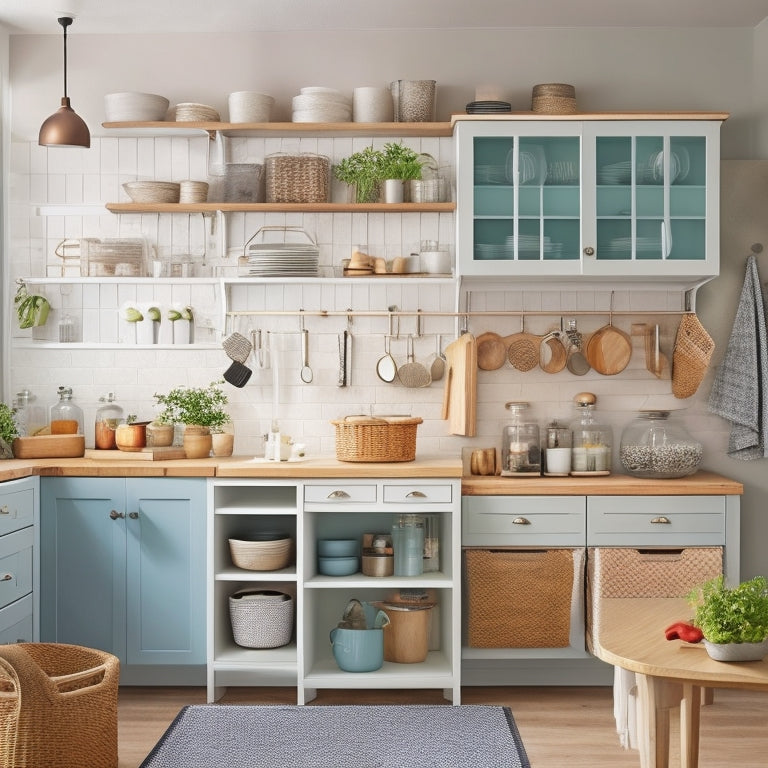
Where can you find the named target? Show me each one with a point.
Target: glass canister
(66, 416)
(655, 446)
(30, 417)
(520, 443)
(408, 545)
(108, 416)
(557, 449)
(592, 442)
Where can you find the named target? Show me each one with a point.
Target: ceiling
(191, 16)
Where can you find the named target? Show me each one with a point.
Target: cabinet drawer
(15, 566)
(16, 509)
(339, 493)
(523, 520)
(16, 623)
(415, 493)
(655, 520)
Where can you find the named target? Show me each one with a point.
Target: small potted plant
(363, 171)
(9, 430)
(734, 621)
(398, 165)
(201, 410)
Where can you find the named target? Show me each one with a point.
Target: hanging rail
(465, 314)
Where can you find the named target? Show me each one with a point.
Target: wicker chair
(58, 706)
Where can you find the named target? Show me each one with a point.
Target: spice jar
(557, 449)
(592, 442)
(520, 444)
(656, 447)
(66, 416)
(108, 416)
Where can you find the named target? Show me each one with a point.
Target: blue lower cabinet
(123, 569)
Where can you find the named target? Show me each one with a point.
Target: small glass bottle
(520, 444)
(108, 416)
(66, 416)
(557, 449)
(656, 447)
(592, 442)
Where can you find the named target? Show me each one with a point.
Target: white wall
(629, 69)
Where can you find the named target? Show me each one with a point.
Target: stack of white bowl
(250, 107)
(128, 106)
(316, 104)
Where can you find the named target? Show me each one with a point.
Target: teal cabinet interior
(123, 570)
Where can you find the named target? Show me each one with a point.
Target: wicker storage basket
(58, 706)
(519, 598)
(553, 99)
(304, 178)
(690, 360)
(267, 555)
(261, 618)
(360, 438)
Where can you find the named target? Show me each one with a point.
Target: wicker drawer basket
(261, 618)
(360, 438)
(304, 178)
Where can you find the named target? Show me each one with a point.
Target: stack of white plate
(642, 245)
(533, 244)
(615, 173)
(128, 106)
(196, 113)
(316, 104)
(282, 260)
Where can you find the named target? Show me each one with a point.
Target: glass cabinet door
(519, 199)
(654, 212)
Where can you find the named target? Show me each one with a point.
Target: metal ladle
(386, 368)
(306, 371)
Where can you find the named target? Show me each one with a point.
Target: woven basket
(553, 99)
(261, 555)
(263, 621)
(370, 439)
(521, 599)
(690, 360)
(58, 706)
(304, 178)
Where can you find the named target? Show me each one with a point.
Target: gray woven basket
(261, 618)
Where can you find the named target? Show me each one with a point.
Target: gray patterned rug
(414, 736)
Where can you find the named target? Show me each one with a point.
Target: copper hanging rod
(427, 313)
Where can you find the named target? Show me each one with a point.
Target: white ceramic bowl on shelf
(129, 106)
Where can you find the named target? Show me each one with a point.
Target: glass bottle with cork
(592, 442)
(108, 416)
(66, 416)
(520, 444)
(30, 417)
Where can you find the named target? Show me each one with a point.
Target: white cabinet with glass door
(589, 197)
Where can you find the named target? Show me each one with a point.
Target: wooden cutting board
(145, 454)
(609, 350)
(49, 447)
(460, 395)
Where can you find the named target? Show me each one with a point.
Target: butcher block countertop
(702, 483)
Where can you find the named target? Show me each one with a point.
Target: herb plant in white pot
(734, 621)
(399, 164)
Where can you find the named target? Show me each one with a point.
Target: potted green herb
(734, 620)
(9, 430)
(363, 170)
(398, 165)
(201, 410)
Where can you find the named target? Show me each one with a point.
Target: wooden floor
(571, 727)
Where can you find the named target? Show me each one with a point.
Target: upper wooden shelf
(282, 207)
(270, 129)
(639, 115)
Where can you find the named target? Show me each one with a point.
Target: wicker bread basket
(360, 438)
(304, 178)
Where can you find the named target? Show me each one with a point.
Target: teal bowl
(337, 566)
(337, 548)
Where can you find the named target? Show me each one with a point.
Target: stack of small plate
(153, 191)
(488, 107)
(282, 260)
(196, 113)
(316, 104)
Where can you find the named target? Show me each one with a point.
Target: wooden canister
(407, 639)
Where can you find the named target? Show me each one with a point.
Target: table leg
(690, 710)
(656, 696)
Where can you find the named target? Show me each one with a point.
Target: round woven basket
(369, 439)
(261, 619)
(691, 357)
(553, 99)
(269, 555)
(304, 178)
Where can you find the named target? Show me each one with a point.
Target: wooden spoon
(491, 351)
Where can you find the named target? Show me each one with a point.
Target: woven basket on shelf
(261, 618)
(370, 439)
(304, 178)
(690, 360)
(553, 99)
(271, 555)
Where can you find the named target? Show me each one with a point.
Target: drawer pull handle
(338, 495)
(416, 495)
(133, 515)
(661, 520)
(521, 521)
(4, 510)
(115, 515)
(6, 577)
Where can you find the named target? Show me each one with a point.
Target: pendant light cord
(65, 21)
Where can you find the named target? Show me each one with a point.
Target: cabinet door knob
(338, 495)
(133, 515)
(4, 510)
(6, 577)
(114, 514)
(521, 521)
(661, 520)
(416, 495)
(589, 251)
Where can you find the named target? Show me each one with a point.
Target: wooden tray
(145, 454)
(49, 447)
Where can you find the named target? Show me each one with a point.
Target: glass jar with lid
(66, 416)
(557, 449)
(657, 447)
(592, 442)
(520, 444)
(108, 416)
(30, 417)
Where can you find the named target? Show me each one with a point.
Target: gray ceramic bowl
(337, 548)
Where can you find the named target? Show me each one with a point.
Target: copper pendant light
(64, 128)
